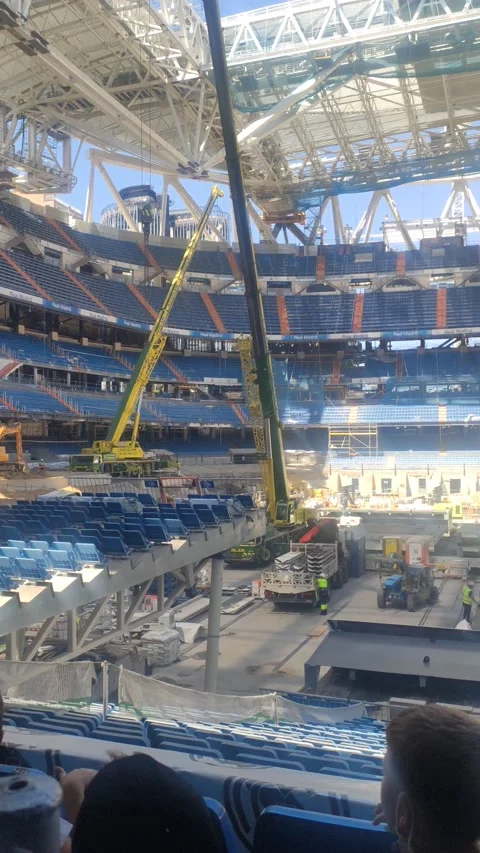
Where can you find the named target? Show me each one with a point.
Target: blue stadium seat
(135, 540)
(87, 553)
(28, 570)
(284, 829)
(175, 528)
(157, 531)
(113, 546)
(17, 543)
(63, 560)
(41, 558)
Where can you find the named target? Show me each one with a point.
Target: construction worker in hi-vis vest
(322, 593)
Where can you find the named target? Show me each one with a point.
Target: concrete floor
(265, 648)
(362, 605)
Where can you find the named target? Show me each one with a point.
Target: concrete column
(11, 646)
(35, 375)
(120, 616)
(160, 595)
(214, 616)
(72, 630)
(69, 378)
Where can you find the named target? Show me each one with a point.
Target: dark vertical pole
(261, 353)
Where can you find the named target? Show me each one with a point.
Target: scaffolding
(353, 440)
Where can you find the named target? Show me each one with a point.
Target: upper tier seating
(399, 311)
(188, 312)
(415, 311)
(347, 260)
(31, 223)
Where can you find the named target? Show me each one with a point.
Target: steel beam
(195, 211)
(132, 225)
(262, 226)
(92, 620)
(89, 201)
(280, 113)
(31, 650)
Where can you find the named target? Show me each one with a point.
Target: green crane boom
(281, 506)
(131, 400)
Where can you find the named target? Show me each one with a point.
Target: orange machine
(5, 464)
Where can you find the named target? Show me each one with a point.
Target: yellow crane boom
(132, 397)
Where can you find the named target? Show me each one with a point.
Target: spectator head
(136, 803)
(431, 785)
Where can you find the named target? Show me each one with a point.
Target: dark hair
(436, 753)
(136, 804)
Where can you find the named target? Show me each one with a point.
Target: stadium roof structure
(331, 97)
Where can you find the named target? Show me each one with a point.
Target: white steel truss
(326, 91)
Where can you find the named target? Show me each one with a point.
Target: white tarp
(47, 683)
(295, 712)
(148, 696)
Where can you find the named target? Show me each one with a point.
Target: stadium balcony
(91, 360)
(399, 311)
(33, 224)
(31, 400)
(339, 259)
(29, 349)
(94, 545)
(188, 312)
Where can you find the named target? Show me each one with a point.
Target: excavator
(5, 463)
(114, 455)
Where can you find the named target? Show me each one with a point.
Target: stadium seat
(62, 560)
(28, 570)
(284, 829)
(135, 540)
(175, 528)
(113, 546)
(87, 553)
(41, 558)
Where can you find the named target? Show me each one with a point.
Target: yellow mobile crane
(113, 450)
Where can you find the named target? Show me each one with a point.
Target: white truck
(293, 579)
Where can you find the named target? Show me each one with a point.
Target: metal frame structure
(65, 593)
(330, 97)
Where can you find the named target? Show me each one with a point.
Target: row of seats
(446, 363)
(35, 400)
(406, 311)
(338, 259)
(37, 560)
(165, 410)
(354, 750)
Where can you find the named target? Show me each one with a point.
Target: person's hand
(379, 815)
(74, 785)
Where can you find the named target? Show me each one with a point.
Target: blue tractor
(410, 587)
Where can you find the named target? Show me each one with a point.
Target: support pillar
(12, 646)
(72, 630)
(88, 216)
(214, 615)
(119, 613)
(160, 596)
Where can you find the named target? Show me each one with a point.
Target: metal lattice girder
(133, 77)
